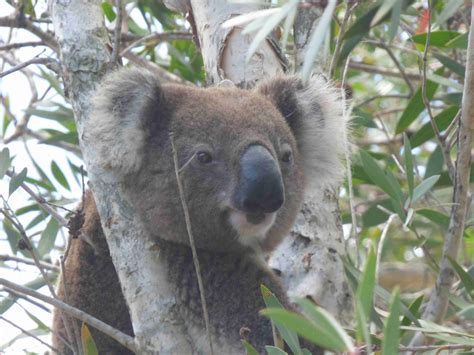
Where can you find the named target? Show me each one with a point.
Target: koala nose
(260, 188)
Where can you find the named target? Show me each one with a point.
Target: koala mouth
(255, 218)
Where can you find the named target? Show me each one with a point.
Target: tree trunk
(82, 37)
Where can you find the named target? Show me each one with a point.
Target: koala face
(243, 155)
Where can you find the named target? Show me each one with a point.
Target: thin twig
(426, 101)
(15, 295)
(31, 335)
(399, 66)
(370, 99)
(342, 31)
(382, 71)
(19, 21)
(117, 32)
(11, 46)
(47, 266)
(42, 202)
(423, 348)
(156, 38)
(122, 338)
(44, 61)
(191, 241)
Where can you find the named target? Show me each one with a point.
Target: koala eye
(204, 157)
(287, 155)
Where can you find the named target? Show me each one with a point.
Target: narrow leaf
(88, 343)
(48, 237)
(435, 163)
(466, 279)
(394, 20)
(408, 164)
(108, 11)
(291, 338)
(365, 291)
(424, 187)
(442, 120)
(4, 162)
(58, 174)
(273, 350)
(17, 180)
(326, 321)
(437, 38)
(451, 64)
(304, 328)
(317, 38)
(415, 106)
(391, 337)
(382, 11)
(249, 349)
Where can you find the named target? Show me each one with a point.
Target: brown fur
(133, 114)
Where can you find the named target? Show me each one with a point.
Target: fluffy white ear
(122, 108)
(315, 113)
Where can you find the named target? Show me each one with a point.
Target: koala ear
(126, 108)
(315, 114)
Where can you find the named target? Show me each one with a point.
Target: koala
(245, 158)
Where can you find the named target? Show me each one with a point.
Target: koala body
(245, 158)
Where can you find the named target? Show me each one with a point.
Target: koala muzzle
(260, 189)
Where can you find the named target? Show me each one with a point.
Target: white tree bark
(85, 59)
(310, 258)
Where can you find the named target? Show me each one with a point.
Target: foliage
(405, 123)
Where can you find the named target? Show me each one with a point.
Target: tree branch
(124, 339)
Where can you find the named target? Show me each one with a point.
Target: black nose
(260, 188)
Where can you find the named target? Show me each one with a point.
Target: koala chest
(233, 297)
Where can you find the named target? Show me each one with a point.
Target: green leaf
(437, 38)
(13, 236)
(48, 237)
(434, 216)
(395, 20)
(54, 82)
(408, 164)
(17, 180)
(362, 25)
(88, 343)
(365, 290)
(108, 11)
(383, 10)
(57, 115)
(305, 328)
(451, 64)
(58, 174)
(4, 162)
(424, 187)
(442, 120)
(273, 350)
(378, 177)
(415, 106)
(459, 42)
(434, 166)
(291, 338)
(317, 38)
(325, 320)
(391, 337)
(362, 326)
(37, 220)
(250, 350)
(466, 279)
(414, 309)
